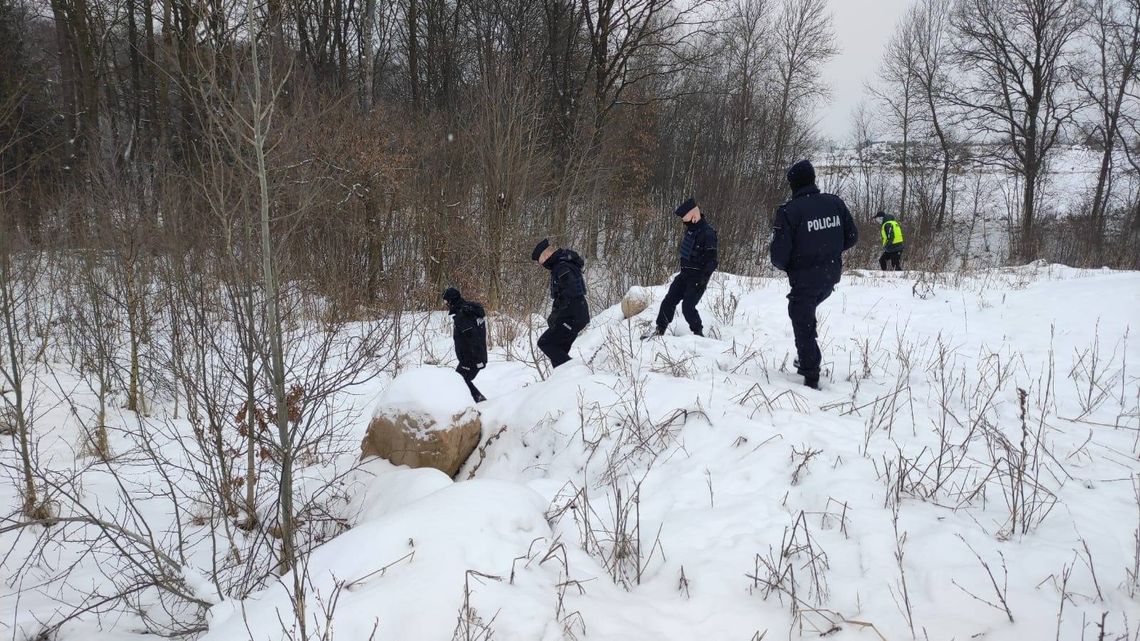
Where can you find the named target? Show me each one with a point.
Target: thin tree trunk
(15, 376)
(944, 148)
(414, 52)
(250, 353)
(152, 115)
(134, 58)
(276, 348)
(1029, 194)
(134, 329)
(906, 157)
(1099, 197)
(367, 55)
(1104, 177)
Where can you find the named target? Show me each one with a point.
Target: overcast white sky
(862, 28)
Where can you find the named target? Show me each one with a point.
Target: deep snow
(671, 489)
(714, 488)
(434, 395)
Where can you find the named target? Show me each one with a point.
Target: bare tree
(18, 275)
(805, 42)
(1017, 55)
(929, 29)
(869, 193)
(263, 105)
(1113, 35)
(631, 43)
(76, 43)
(507, 146)
(376, 31)
(900, 93)
(748, 54)
(97, 341)
(1129, 135)
(19, 299)
(622, 32)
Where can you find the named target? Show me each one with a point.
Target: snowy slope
(691, 488)
(673, 489)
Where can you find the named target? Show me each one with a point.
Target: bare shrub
(611, 533)
(901, 591)
(470, 625)
(759, 399)
(1132, 572)
(776, 574)
(801, 459)
(1095, 374)
(724, 304)
(1000, 590)
(1021, 470)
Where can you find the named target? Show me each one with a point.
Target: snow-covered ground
(970, 470)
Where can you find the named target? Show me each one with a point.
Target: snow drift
(969, 470)
(973, 451)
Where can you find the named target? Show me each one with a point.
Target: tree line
(417, 141)
(426, 140)
(1005, 84)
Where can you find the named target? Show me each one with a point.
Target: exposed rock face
(425, 419)
(636, 300)
(405, 439)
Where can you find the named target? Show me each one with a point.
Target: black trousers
(469, 371)
(895, 258)
(687, 289)
(802, 302)
(565, 325)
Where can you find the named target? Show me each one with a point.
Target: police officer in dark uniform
(470, 338)
(809, 235)
(698, 254)
(570, 313)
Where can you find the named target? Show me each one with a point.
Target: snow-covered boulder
(635, 301)
(424, 419)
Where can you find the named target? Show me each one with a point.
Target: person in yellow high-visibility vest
(892, 236)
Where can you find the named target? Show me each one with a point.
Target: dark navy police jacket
(809, 235)
(470, 333)
(567, 286)
(699, 249)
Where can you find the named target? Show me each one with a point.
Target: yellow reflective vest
(892, 234)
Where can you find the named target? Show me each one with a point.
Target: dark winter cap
(880, 215)
(685, 207)
(801, 174)
(451, 295)
(539, 248)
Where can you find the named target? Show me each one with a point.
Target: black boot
(799, 370)
(660, 331)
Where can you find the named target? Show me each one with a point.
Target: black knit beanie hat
(801, 174)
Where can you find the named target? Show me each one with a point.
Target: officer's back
(810, 233)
